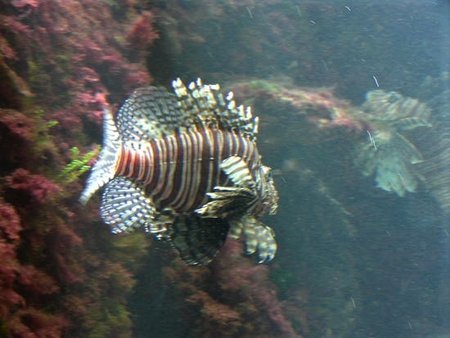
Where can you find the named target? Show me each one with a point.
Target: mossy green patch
(78, 165)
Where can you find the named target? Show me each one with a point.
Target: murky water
(354, 119)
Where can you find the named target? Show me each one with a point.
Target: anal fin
(198, 239)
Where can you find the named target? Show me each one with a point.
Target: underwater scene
(221, 168)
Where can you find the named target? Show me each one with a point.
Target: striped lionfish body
(186, 168)
(178, 170)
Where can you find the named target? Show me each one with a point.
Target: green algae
(78, 165)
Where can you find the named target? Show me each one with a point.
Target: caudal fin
(104, 169)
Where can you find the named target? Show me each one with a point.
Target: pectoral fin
(227, 201)
(236, 200)
(237, 171)
(258, 237)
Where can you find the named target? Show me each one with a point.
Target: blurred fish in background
(388, 154)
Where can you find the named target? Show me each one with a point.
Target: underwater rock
(232, 297)
(376, 135)
(308, 115)
(316, 277)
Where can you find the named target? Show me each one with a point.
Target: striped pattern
(237, 171)
(258, 237)
(178, 170)
(390, 155)
(198, 239)
(401, 112)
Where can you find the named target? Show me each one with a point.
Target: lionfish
(390, 156)
(186, 168)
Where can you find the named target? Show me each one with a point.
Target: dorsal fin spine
(105, 167)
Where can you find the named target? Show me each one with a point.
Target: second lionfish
(186, 168)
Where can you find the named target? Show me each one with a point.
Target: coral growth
(314, 114)
(30, 189)
(67, 60)
(378, 131)
(142, 33)
(23, 287)
(18, 126)
(61, 273)
(248, 283)
(15, 128)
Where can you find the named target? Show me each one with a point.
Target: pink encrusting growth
(34, 188)
(74, 57)
(231, 298)
(23, 286)
(59, 61)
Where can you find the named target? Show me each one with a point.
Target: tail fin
(104, 169)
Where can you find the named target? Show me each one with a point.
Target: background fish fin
(410, 123)
(228, 201)
(125, 206)
(237, 171)
(258, 237)
(392, 163)
(394, 107)
(148, 113)
(207, 106)
(198, 239)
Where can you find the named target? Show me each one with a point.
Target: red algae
(9, 223)
(22, 285)
(63, 274)
(25, 3)
(17, 125)
(142, 33)
(59, 276)
(35, 188)
(240, 275)
(232, 297)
